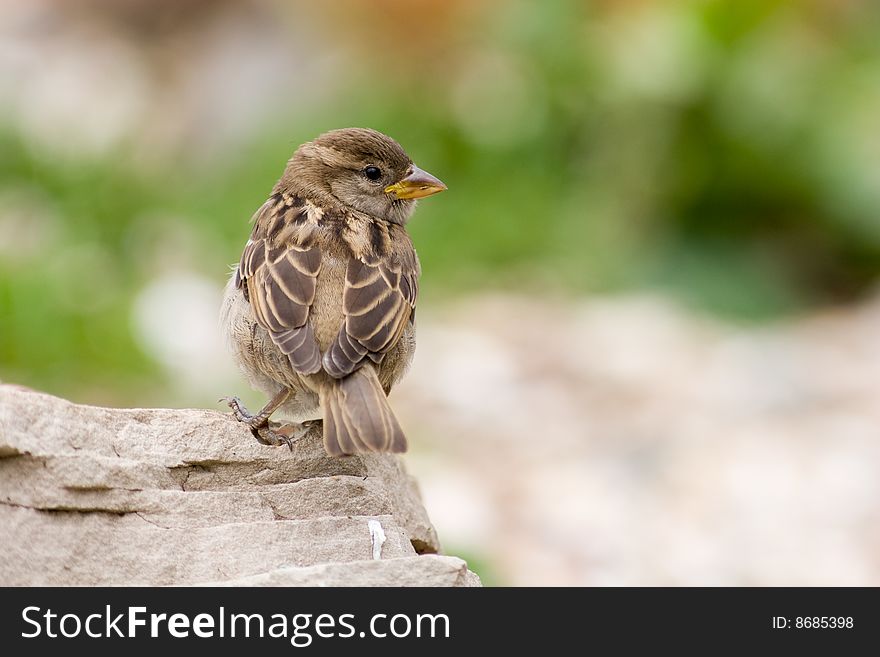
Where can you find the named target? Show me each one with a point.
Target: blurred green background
(725, 152)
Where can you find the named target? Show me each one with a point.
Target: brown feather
(358, 418)
(378, 301)
(281, 283)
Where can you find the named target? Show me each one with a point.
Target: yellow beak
(417, 184)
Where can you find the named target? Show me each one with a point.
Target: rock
(427, 570)
(99, 496)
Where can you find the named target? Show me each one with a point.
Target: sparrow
(319, 314)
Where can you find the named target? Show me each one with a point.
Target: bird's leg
(242, 414)
(259, 422)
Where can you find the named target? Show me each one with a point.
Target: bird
(319, 313)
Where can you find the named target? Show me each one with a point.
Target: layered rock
(99, 496)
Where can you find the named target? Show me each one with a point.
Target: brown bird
(319, 314)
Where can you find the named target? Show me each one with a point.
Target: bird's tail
(357, 416)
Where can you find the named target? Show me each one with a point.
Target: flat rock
(100, 496)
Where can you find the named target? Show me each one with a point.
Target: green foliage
(725, 152)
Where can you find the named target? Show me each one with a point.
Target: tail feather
(357, 416)
(337, 438)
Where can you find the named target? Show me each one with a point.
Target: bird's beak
(417, 184)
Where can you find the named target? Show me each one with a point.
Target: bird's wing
(279, 280)
(378, 300)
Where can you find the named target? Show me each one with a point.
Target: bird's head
(362, 169)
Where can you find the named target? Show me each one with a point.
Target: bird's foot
(241, 413)
(273, 434)
(267, 433)
(286, 434)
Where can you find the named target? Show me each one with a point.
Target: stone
(426, 570)
(100, 496)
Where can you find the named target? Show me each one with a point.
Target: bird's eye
(373, 173)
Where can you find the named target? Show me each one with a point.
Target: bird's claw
(267, 433)
(238, 409)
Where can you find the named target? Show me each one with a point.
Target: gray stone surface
(92, 496)
(425, 570)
